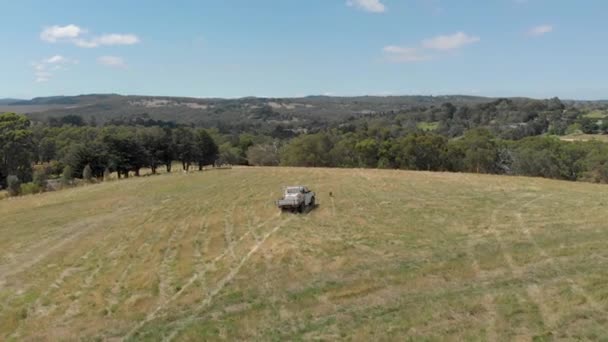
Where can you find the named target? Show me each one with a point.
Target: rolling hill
(106, 107)
(391, 255)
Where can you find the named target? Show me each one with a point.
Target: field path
(535, 289)
(212, 292)
(41, 250)
(225, 281)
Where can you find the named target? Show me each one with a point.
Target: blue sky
(285, 48)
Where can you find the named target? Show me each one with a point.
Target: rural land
(391, 255)
(471, 219)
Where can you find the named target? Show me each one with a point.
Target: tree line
(100, 150)
(477, 151)
(464, 139)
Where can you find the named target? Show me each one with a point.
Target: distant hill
(106, 107)
(8, 101)
(241, 114)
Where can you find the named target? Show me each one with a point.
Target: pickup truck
(296, 199)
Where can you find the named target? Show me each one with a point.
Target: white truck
(296, 199)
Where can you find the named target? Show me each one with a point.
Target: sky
(292, 48)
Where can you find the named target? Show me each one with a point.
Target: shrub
(66, 176)
(107, 175)
(30, 188)
(13, 185)
(87, 173)
(56, 168)
(40, 178)
(263, 155)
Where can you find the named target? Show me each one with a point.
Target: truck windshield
(293, 190)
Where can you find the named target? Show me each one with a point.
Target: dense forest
(500, 136)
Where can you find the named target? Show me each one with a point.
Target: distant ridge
(218, 112)
(9, 101)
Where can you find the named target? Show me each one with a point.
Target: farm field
(585, 137)
(391, 255)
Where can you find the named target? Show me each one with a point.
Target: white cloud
(56, 59)
(112, 61)
(43, 69)
(56, 33)
(83, 43)
(374, 6)
(400, 54)
(540, 30)
(404, 54)
(108, 39)
(76, 35)
(449, 42)
(42, 76)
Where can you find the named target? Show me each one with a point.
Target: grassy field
(596, 114)
(428, 126)
(585, 137)
(392, 255)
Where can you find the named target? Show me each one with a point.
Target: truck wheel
(312, 202)
(301, 208)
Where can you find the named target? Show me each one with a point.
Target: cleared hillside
(391, 255)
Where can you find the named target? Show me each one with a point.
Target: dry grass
(585, 137)
(393, 255)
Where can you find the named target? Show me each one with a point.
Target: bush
(13, 185)
(87, 173)
(107, 175)
(56, 168)
(40, 178)
(30, 188)
(66, 176)
(263, 155)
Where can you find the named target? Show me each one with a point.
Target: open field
(585, 137)
(596, 114)
(392, 255)
(428, 126)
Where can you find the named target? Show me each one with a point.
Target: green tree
(206, 149)
(123, 152)
(589, 125)
(229, 154)
(46, 149)
(424, 151)
(481, 151)
(310, 150)
(367, 152)
(16, 147)
(157, 145)
(184, 143)
(343, 153)
(263, 155)
(93, 154)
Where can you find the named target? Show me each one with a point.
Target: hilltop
(393, 254)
